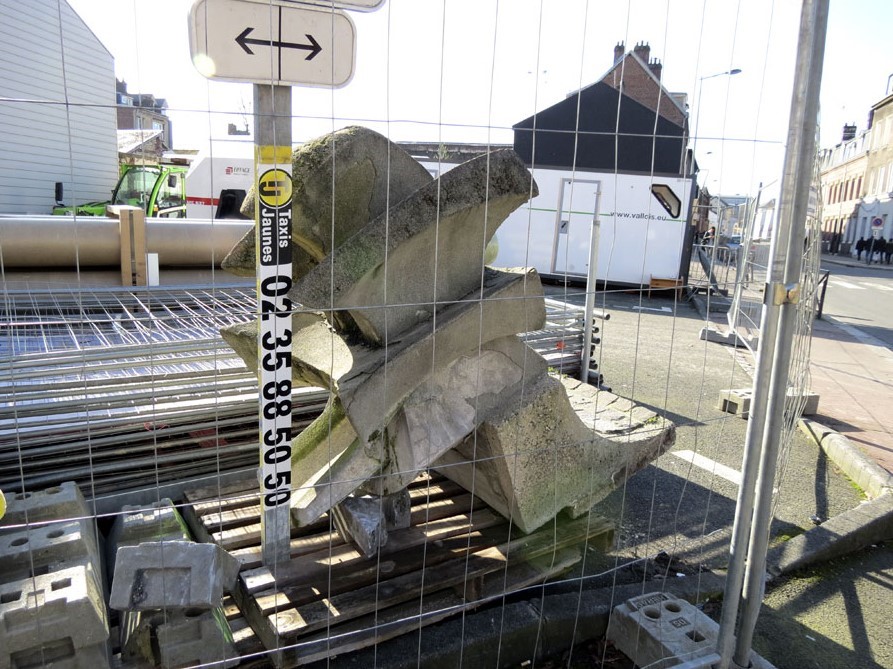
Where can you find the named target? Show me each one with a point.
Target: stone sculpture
(417, 341)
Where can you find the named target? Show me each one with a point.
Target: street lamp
(726, 73)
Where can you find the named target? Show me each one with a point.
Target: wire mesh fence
(490, 422)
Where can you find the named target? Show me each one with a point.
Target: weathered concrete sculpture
(417, 341)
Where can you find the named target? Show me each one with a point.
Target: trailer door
(575, 214)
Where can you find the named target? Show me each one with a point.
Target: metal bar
(798, 173)
(591, 285)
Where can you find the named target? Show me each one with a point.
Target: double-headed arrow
(243, 41)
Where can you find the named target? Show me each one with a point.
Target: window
(667, 198)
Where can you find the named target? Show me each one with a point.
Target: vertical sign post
(273, 225)
(275, 45)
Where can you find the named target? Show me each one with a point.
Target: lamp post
(726, 73)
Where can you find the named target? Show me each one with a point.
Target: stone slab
(341, 181)
(869, 523)
(188, 640)
(59, 612)
(361, 521)
(427, 249)
(174, 574)
(560, 445)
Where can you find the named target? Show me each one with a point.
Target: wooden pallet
(329, 599)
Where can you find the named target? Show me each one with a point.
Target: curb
(869, 523)
(864, 471)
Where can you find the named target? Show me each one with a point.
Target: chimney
(656, 68)
(849, 131)
(643, 51)
(619, 51)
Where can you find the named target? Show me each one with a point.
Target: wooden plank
(387, 624)
(244, 544)
(313, 568)
(415, 553)
(286, 626)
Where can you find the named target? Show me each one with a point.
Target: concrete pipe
(63, 241)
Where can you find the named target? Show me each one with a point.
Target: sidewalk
(853, 375)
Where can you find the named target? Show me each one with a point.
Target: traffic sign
(355, 5)
(273, 42)
(877, 222)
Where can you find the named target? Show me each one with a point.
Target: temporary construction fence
(456, 447)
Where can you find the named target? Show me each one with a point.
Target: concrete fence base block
(55, 614)
(43, 548)
(63, 501)
(171, 574)
(737, 401)
(63, 656)
(188, 640)
(159, 521)
(659, 631)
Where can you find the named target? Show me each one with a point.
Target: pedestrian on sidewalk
(880, 244)
(888, 250)
(860, 246)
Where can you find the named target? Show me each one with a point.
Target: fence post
(781, 297)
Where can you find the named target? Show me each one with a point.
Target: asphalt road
(862, 297)
(684, 503)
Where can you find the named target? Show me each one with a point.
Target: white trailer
(642, 224)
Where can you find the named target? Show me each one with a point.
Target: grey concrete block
(737, 401)
(44, 548)
(658, 630)
(61, 502)
(63, 656)
(175, 574)
(58, 613)
(190, 639)
(159, 521)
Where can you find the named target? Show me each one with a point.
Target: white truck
(218, 181)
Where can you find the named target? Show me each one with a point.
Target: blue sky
(466, 70)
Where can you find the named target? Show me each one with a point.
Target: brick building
(143, 112)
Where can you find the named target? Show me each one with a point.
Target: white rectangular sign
(354, 5)
(271, 43)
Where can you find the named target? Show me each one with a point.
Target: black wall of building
(599, 143)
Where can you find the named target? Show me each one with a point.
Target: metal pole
(798, 175)
(273, 224)
(591, 285)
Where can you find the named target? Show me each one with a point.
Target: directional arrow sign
(356, 5)
(271, 43)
